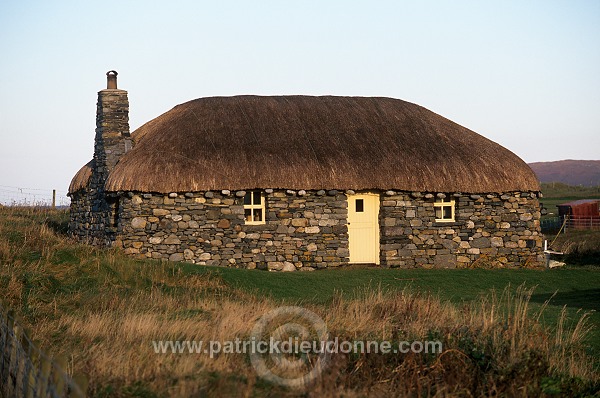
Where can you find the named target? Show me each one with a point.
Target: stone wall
(308, 230)
(94, 211)
(81, 222)
(93, 219)
(489, 230)
(304, 230)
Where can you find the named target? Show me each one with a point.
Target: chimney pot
(111, 77)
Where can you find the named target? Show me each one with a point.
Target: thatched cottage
(300, 182)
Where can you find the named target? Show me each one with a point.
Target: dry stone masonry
(309, 231)
(489, 229)
(302, 232)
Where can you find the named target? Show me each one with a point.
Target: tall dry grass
(112, 341)
(104, 310)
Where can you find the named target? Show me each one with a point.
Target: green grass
(574, 287)
(557, 193)
(577, 288)
(52, 276)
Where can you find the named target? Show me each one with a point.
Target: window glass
(254, 208)
(360, 205)
(444, 209)
(447, 212)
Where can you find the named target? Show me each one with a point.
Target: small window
(360, 205)
(530, 244)
(444, 210)
(254, 208)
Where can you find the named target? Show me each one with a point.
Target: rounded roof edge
(302, 142)
(82, 178)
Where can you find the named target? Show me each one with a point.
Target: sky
(525, 74)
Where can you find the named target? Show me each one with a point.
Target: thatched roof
(82, 177)
(302, 142)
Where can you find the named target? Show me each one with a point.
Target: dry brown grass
(578, 242)
(113, 341)
(103, 311)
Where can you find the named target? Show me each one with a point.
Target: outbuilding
(580, 214)
(304, 182)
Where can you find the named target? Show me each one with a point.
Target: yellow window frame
(444, 209)
(254, 208)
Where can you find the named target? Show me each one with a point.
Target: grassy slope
(557, 193)
(44, 276)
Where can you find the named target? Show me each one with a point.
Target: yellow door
(363, 228)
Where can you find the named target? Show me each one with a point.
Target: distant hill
(571, 172)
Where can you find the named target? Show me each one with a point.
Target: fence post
(6, 327)
(34, 371)
(14, 362)
(28, 363)
(54, 198)
(3, 338)
(81, 385)
(44, 375)
(60, 367)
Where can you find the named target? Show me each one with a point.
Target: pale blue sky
(525, 74)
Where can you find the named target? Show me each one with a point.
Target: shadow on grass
(60, 227)
(587, 299)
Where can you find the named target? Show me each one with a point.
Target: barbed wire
(24, 188)
(20, 196)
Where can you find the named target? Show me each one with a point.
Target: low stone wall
(489, 229)
(304, 230)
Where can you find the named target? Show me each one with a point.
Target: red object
(581, 213)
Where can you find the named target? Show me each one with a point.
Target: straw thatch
(82, 177)
(302, 142)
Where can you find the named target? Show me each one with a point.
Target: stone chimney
(112, 141)
(112, 127)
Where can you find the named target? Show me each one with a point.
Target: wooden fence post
(44, 375)
(81, 385)
(14, 362)
(60, 367)
(29, 351)
(5, 350)
(35, 370)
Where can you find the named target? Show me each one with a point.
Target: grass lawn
(102, 309)
(576, 288)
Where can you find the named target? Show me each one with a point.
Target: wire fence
(570, 222)
(27, 371)
(20, 196)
